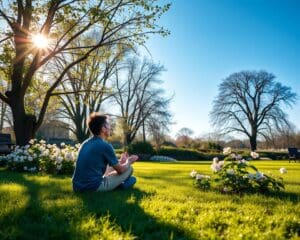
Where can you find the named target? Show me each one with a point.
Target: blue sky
(210, 39)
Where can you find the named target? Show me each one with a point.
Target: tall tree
(251, 103)
(85, 88)
(138, 95)
(27, 24)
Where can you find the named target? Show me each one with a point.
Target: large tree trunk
(253, 143)
(81, 135)
(24, 124)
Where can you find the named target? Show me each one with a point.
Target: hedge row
(145, 151)
(273, 155)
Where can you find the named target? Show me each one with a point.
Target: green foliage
(182, 154)
(211, 146)
(162, 205)
(140, 147)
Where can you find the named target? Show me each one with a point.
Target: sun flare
(40, 41)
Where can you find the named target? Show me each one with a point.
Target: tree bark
(24, 124)
(253, 143)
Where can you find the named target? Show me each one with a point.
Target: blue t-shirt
(93, 157)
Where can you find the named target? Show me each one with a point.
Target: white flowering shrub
(42, 157)
(201, 181)
(158, 158)
(236, 175)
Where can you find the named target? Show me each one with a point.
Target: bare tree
(138, 96)
(85, 88)
(63, 22)
(158, 130)
(184, 137)
(251, 103)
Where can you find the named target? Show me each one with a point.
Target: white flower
(59, 167)
(215, 160)
(41, 148)
(215, 167)
(282, 170)
(45, 153)
(238, 156)
(254, 155)
(62, 144)
(30, 158)
(221, 163)
(244, 161)
(59, 159)
(227, 150)
(193, 173)
(199, 176)
(69, 157)
(25, 168)
(27, 146)
(32, 141)
(225, 189)
(230, 171)
(42, 141)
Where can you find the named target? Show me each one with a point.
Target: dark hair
(95, 122)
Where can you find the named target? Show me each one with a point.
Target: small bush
(236, 175)
(140, 148)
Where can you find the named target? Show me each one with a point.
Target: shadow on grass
(34, 221)
(283, 195)
(124, 207)
(53, 212)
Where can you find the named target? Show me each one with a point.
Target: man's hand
(132, 159)
(123, 158)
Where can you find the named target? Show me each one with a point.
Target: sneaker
(128, 183)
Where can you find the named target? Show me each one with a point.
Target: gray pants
(112, 181)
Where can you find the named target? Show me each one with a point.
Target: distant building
(10, 131)
(54, 129)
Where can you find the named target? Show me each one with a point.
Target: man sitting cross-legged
(97, 167)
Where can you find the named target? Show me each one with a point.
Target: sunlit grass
(164, 204)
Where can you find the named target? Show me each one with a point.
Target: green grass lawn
(164, 204)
